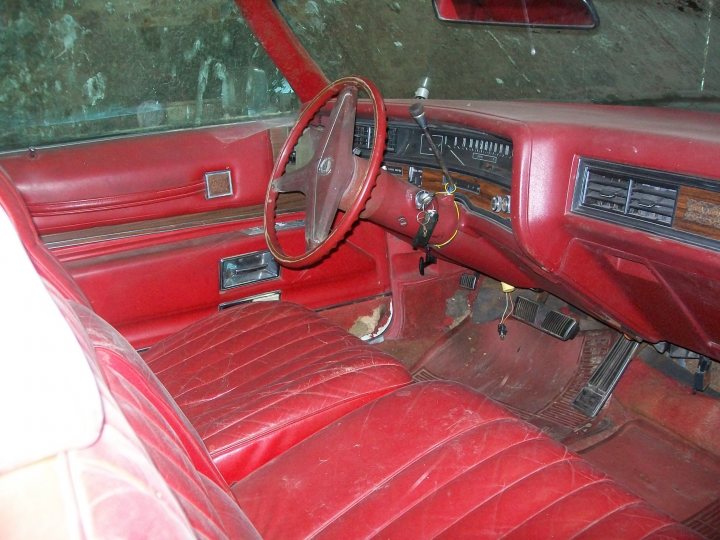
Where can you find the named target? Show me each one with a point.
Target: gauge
(425, 147)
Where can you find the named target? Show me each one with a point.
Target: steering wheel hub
(325, 166)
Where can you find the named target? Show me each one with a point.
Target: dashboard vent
(363, 137)
(604, 192)
(652, 202)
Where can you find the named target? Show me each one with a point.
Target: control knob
(500, 203)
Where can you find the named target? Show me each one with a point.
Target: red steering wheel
(334, 179)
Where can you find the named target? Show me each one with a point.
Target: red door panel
(151, 290)
(129, 219)
(128, 179)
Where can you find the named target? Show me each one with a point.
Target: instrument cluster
(480, 163)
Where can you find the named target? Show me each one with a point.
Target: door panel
(129, 219)
(123, 180)
(154, 289)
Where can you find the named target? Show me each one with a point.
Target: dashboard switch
(500, 204)
(415, 176)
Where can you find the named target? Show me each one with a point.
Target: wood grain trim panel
(287, 203)
(432, 181)
(698, 212)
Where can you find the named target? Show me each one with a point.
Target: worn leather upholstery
(426, 460)
(173, 446)
(257, 379)
(46, 265)
(438, 460)
(253, 380)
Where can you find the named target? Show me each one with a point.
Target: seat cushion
(257, 379)
(437, 459)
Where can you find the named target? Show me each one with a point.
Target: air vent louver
(606, 192)
(628, 196)
(363, 137)
(652, 202)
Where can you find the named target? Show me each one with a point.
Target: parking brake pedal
(545, 319)
(603, 380)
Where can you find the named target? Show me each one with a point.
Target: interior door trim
(292, 203)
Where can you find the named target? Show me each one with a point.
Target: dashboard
(616, 210)
(480, 163)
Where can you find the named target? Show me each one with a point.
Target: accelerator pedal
(545, 319)
(603, 380)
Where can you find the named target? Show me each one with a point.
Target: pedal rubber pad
(544, 319)
(603, 380)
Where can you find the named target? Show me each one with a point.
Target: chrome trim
(271, 296)
(247, 268)
(280, 226)
(90, 238)
(225, 187)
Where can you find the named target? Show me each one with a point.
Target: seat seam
(302, 361)
(279, 427)
(656, 529)
(233, 355)
(564, 497)
(282, 398)
(606, 516)
(137, 402)
(452, 479)
(289, 379)
(215, 344)
(516, 482)
(177, 464)
(233, 318)
(230, 321)
(403, 468)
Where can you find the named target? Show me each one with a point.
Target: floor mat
(535, 375)
(664, 470)
(538, 376)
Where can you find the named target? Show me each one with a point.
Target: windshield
(659, 52)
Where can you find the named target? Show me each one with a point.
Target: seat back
(134, 468)
(45, 263)
(175, 449)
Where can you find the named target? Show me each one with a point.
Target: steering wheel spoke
(334, 169)
(296, 181)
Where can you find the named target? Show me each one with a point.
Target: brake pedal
(603, 380)
(545, 319)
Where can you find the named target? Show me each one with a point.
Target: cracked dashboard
(480, 162)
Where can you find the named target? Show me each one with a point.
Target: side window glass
(82, 69)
